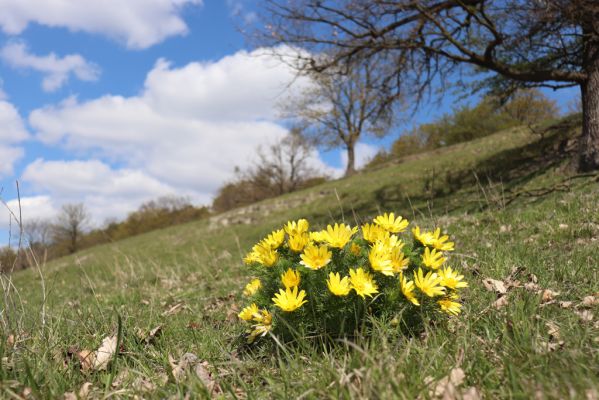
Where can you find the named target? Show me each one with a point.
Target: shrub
(331, 282)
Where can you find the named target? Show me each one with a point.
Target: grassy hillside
(507, 202)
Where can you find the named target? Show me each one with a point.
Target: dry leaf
(178, 368)
(500, 302)
(151, 336)
(590, 301)
(494, 285)
(471, 393)
(585, 315)
(548, 295)
(105, 353)
(206, 378)
(447, 387)
(532, 286)
(563, 226)
(553, 330)
(85, 390)
(143, 385)
(565, 304)
(70, 396)
(86, 359)
(175, 309)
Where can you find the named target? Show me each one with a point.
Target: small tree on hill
(70, 224)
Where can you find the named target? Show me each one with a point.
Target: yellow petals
(432, 259)
(407, 288)
(373, 233)
(274, 239)
(399, 262)
(252, 287)
(248, 312)
(337, 236)
(264, 255)
(290, 278)
(362, 282)
(379, 257)
(295, 228)
(338, 286)
(429, 284)
(452, 279)
(298, 242)
(289, 300)
(391, 224)
(450, 307)
(315, 257)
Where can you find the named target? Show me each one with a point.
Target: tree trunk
(588, 156)
(351, 160)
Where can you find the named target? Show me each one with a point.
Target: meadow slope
(507, 201)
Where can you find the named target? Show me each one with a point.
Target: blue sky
(117, 102)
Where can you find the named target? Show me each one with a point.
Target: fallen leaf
(553, 330)
(500, 302)
(494, 285)
(206, 378)
(175, 309)
(585, 315)
(447, 387)
(144, 385)
(105, 353)
(85, 390)
(178, 368)
(548, 295)
(471, 393)
(565, 304)
(86, 359)
(532, 286)
(563, 226)
(151, 336)
(590, 301)
(70, 396)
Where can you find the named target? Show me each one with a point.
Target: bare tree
(70, 224)
(342, 106)
(37, 232)
(521, 43)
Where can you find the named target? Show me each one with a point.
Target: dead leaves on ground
(448, 387)
(97, 360)
(189, 362)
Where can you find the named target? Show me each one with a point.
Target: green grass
(504, 199)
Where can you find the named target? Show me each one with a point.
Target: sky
(114, 103)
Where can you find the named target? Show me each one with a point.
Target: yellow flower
(298, 242)
(426, 238)
(338, 235)
(291, 278)
(294, 228)
(338, 286)
(251, 257)
(452, 279)
(316, 257)
(379, 257)
(450, 307)
(263, 326)
(248, 312)
(407, 288)
(372, 233)
(429, 284)
(317, 236)
(399, 262)
(432, 259)
(265, 255)
(355, 249)
(390, 223)
(274, 239)
(289, 300)
(392, 241)
(441, 242)
(362, 282)
(252, 287)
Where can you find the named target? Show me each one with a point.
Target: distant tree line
(69, 232)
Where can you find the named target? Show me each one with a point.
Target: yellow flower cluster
(298, 266)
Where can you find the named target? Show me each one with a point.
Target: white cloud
(33, 208)
(12, 132)
(183, 134)
(106, 192)
(137, 23)
(57, 70)
(363, 154)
